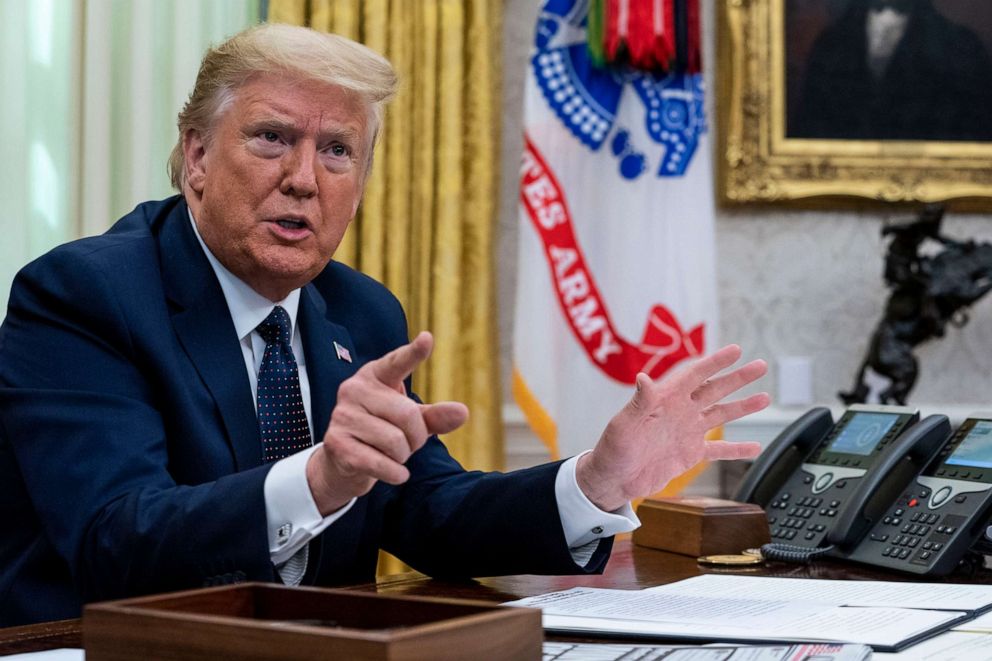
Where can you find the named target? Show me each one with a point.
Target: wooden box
(700, 526)
(272, 622)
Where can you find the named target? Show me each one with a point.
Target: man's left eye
(338, 150)
(270, 136)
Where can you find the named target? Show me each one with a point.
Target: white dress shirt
(293, 517)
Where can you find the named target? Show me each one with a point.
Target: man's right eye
(270, 136)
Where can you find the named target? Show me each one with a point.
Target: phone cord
(792, 552)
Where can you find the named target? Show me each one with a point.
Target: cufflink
(282, 535)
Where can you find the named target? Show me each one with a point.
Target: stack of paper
(887, 616)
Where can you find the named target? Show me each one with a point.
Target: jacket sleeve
(81, 413)
(453, 523)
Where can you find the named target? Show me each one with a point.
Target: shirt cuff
(582, 521)
(292, 515)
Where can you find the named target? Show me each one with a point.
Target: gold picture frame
(759, 164)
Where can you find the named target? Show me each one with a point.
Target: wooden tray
(273, 622)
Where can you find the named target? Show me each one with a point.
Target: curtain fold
(93, 88)
(425, 228)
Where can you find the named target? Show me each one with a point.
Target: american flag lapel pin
(342, 352)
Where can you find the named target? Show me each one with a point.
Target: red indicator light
(912, 502)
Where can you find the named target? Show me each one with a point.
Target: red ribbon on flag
(663, 343)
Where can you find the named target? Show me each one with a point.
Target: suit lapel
(325, 371)
(203, 325)
(325, 368)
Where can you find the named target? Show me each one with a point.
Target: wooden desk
(634, 567)
(631, 567)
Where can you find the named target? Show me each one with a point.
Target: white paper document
(981, 624)
(608, 652)
(696, 616)
(932, 596)
(950, 646)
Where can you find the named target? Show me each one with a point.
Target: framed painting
(834, 102)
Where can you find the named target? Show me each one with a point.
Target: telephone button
(937, 547)
(887, 520)
(875, 537)
(904, 553)
(790, 534)
(771, 520)
(919, 516)
(953, 473)
(785, 496)
(924, 555)
(941, 496)
(807, 479)
(950, 530)
(932, 518)
(793, 511)
(841, 484)
(960, 499)
(810, 535)
(965, 474)
(924, 493)
(824, 480)
(913, 502)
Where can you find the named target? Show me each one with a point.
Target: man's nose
(299, 176)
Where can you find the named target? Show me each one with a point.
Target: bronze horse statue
(927, 293)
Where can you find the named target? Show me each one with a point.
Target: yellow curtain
(426, 225)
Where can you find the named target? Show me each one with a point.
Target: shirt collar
(248, 308)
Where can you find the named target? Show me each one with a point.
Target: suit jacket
(130, 458)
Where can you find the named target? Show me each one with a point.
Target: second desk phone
(832, 488)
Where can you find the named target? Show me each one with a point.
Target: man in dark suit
(161, 385)
(895, 70)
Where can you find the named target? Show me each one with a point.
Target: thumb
(640, 399)
(444, 417)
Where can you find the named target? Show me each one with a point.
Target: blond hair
(284, 50)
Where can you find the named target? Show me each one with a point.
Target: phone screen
(975, 450)
(862, 433)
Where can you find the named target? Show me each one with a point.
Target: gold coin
(729, 560)
(753, 552)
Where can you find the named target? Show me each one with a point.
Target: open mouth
(291, 224)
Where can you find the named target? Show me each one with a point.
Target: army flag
(616, 266)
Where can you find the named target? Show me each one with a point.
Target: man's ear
(195, 157)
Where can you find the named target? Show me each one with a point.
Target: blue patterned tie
(282, 419)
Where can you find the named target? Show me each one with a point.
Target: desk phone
(870, 454)
(940, 515)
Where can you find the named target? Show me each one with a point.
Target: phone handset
(890, 474)
(784, 456)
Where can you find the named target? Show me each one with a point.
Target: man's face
(274, 190)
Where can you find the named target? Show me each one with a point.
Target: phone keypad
(799, 512)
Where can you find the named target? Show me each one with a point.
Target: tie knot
(276, 327)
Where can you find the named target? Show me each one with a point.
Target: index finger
(399, 363)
